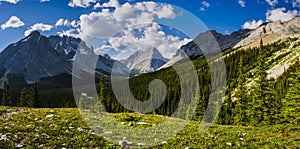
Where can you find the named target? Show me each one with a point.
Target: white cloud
(205, 3)
(13, 22)
(166, 11)
(71, 33)
(242, 3)
(151, 35)
(252, 24)
(97, 5)
(281, 14)
(44, 1)
(59, 22)
(111, 3)
(10, 1)
(39, 26)
(81, 3)
(66, 22)
(130, 18)
(272, 2)
(296, 3)
(106, 23)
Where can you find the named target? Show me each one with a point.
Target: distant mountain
(37, 56)
(270, 32)
(148, 60)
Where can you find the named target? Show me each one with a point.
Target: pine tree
(23, 97)
(102, 89)
(263, 101)
(240, 115)
(258, 95)
(261, 43)
(6, 95)
(291, 103)
(35, 95)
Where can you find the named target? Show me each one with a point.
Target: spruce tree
(35, 95)
(240, 115)
(23, 97)
(102, 90)
(291, 103)
(6, 95)
(258, 95)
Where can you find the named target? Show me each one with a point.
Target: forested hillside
(252, 97)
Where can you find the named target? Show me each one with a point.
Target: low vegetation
(64, 128)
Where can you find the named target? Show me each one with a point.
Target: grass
(65, 128)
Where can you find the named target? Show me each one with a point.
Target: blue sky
(223, 16)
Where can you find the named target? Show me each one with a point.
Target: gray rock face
(207, 42)
(37, 56)
(145, 61)
(282, 30)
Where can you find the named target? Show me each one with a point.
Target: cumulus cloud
(81, 3)
(10, 1)
(143, 37)
(106, 23)
(13, 22)
(129, 27)
(96, 6)
(281, 14)
(44, 1)
(242, 3)
(252, 24)
(272, 2)
(39, 26)
(111, 3)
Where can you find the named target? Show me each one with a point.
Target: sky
(119, 27)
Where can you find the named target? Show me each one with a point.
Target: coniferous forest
(265, 102)
(255, 106)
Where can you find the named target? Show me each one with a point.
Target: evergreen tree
(23, 97)
(261, 43)
(258, 95)
(6, 95)
(35, 95)
(240, 115)
(263, 101)
(26, 98)
(291, 103)
(102, 92)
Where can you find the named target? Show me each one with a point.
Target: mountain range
(36, 56)
(270, 32)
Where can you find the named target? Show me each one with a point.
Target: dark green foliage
(29, 97)
(241, 95)
(259, 106)
(291, 103)
(6, 95)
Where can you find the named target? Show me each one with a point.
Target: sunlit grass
(65, 128)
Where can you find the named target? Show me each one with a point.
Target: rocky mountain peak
(145, 60)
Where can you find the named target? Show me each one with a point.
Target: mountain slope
(279, 30)
(210, 40)
(145, 61)
(37, 56)
(270, 32)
